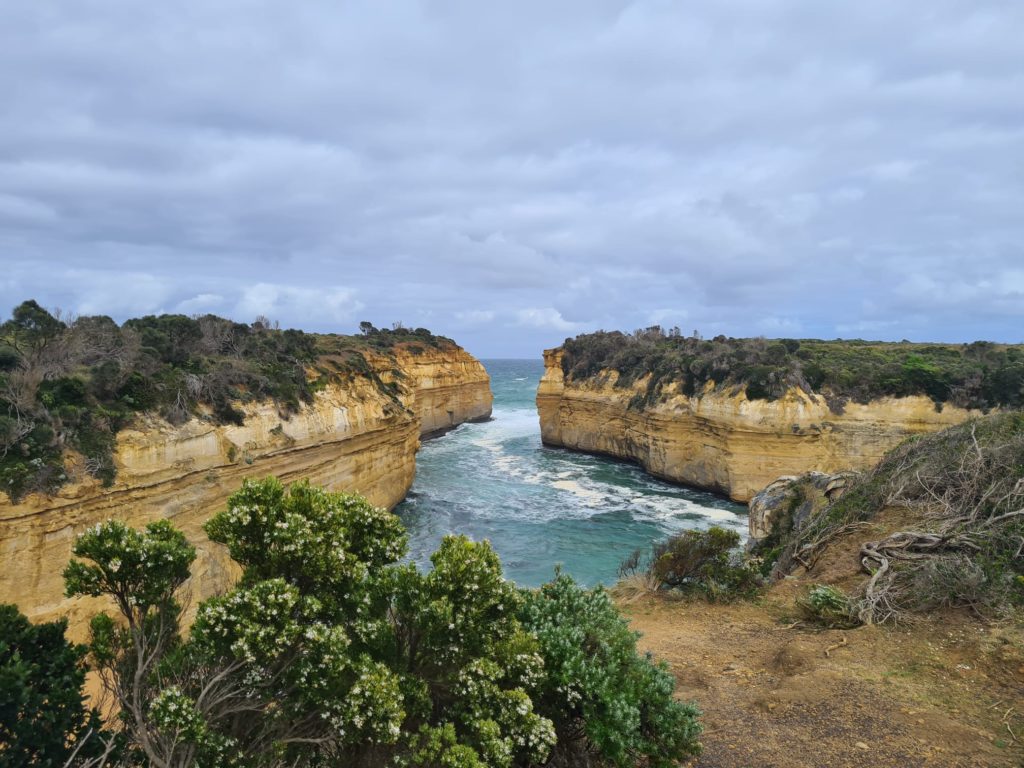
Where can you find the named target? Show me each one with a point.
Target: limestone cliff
(354, 436)
(448, 387)
(720, 440)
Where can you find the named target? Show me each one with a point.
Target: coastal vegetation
(962, 490)
(708, 564)
(71, 383)
(981, 375)
(43, 719)
(332, 651)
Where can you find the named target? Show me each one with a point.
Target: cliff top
(981, 375)
(73, 383)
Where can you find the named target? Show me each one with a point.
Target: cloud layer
(512, 175)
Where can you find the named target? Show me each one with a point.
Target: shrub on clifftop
(981, 375)
(705, 563)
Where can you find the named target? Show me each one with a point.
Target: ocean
(541, 507)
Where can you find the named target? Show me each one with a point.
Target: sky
(511, 174)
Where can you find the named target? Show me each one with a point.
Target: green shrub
(707, 563)
(605, 699)
(42, 715)
(340, 654)
(34, 463)
(828, 606)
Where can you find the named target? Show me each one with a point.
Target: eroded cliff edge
(360, 433)
(721, 440)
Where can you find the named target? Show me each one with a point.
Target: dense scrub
(965, 486)
(43, 720)
(74, 383)
(980, 375)
(331, 651)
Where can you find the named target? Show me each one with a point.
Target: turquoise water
(543, 506)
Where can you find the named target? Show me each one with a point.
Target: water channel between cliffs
(543, 506)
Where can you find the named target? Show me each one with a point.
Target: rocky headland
(735, 427)
(359, 431)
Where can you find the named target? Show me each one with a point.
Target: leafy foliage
(76, 383)
(43, 719)
(330, 651)
(826, 605)
(981, 375)
(604, 698)
(706, 563)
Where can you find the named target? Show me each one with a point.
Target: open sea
(543, 506)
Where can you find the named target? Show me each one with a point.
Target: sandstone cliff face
(448, 387)
(722, 441)
(353, 437)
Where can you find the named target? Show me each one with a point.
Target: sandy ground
(948, 691)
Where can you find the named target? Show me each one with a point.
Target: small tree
(140, 571)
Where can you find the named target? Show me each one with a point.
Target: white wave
(589, 496)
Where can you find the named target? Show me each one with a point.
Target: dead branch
(831, 648)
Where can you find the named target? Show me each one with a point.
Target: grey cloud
(512, 174)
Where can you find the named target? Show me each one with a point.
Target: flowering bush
(331, 652)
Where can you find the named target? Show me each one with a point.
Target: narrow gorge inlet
(542, 506)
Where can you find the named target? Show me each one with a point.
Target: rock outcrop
(788, 503)
(354, 436)
(720, 440)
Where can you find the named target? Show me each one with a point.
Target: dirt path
(949, 692)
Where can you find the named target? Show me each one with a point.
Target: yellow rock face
(450, 387)
(724, 442)
(352, 437)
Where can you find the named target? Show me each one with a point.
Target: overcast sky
(510, 174)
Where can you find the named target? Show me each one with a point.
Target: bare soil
(947, 690)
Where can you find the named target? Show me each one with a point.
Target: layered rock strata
(449, 387)
(354, 436)
(720, 440)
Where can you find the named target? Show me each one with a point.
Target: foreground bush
(331, 652)
(43, 720)
(604, 698)
(706, 563)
